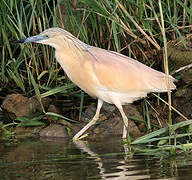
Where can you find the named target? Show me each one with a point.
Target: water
(60, 159)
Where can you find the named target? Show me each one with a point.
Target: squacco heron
(106, 75)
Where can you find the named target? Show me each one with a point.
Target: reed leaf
(153, 136)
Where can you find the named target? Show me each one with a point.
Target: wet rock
(54, 130)
(22, 106)
(25, 132)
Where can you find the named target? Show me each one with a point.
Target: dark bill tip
(18, 41)
(30, 39)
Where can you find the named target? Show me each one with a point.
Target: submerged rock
(54, 130)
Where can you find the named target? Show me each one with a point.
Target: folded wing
(119, 73)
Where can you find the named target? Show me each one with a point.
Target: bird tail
(159, 83)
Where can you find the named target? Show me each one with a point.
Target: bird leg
(92, 122)
(125, 120)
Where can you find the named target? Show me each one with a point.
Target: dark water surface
(57, 159)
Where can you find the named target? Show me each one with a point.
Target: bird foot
(80, 137)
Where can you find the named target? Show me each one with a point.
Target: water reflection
(105, 159)
(120, 167)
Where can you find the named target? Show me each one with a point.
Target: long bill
(30, 39)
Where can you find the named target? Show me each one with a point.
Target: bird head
(52, 36)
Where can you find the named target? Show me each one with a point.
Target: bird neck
(72, 43)
(68, 55)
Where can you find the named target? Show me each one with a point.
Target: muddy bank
(17, 106)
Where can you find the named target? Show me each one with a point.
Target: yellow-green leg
(79, 136)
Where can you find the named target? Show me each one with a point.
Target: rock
(187, 76)
(22, 106)
(34, 102)
(182, 102)
(179, 55)
(89, 113)
(25, 132)
(54, 130)
(16, 104)
(54, 109)
(185, 93)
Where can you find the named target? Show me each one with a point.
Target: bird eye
(46, 36)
